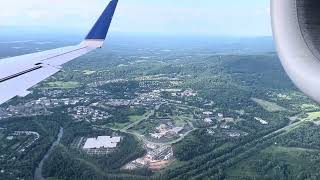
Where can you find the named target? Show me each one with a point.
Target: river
(38, 172)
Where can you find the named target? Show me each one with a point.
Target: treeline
(306, 136)
(127, 150)
(297, 164)
(165, 110)
(121, 89)
(64, 165)
(197, 143)
(200, 142)
(206, 160)
(121, 114)
(212, 164)
(22, 164)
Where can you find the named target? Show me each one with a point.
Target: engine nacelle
(296, 31)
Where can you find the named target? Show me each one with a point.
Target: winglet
(99, 31)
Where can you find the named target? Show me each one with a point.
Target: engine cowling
(296, 31)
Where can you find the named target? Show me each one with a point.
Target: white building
(263, 122)
(207, 113)
(10, 138)
(102, 142)
(208, 120)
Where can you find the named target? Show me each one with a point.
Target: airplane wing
(18, 74)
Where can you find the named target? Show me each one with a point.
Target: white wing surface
(18, 74)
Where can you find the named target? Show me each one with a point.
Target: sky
(173, 17)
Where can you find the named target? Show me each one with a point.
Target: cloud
(166, 16)
(48, 12)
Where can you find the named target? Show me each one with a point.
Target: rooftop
(102, 142)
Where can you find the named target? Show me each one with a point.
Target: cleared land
(88, 72)
(137, 118)
(309, 107)
(134, 120)
(311, 116)
(268, 106)
(62, 85)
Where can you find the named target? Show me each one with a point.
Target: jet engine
(296, 31)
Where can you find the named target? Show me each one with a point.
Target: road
(291, 125)
(144, 139)
(138, 122)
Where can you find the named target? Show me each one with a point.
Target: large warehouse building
(102, 142)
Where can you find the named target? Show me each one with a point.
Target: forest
(227, 82)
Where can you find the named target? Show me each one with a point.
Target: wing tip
(100, 29)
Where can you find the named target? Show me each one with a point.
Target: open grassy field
(62, 85)
(311, 116)
(137, 118)
(132, 119)
(88, 72)
(180, 121)
(268, 106)
(309, 107)
(119, 125)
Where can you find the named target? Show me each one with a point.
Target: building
(164, 131)
(102, 142)
(263, 122)
(208, 120)
(10, 138)
(207, 113)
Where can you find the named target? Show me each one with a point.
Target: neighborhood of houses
(29, 136)
(87, 105)
(86, 113)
